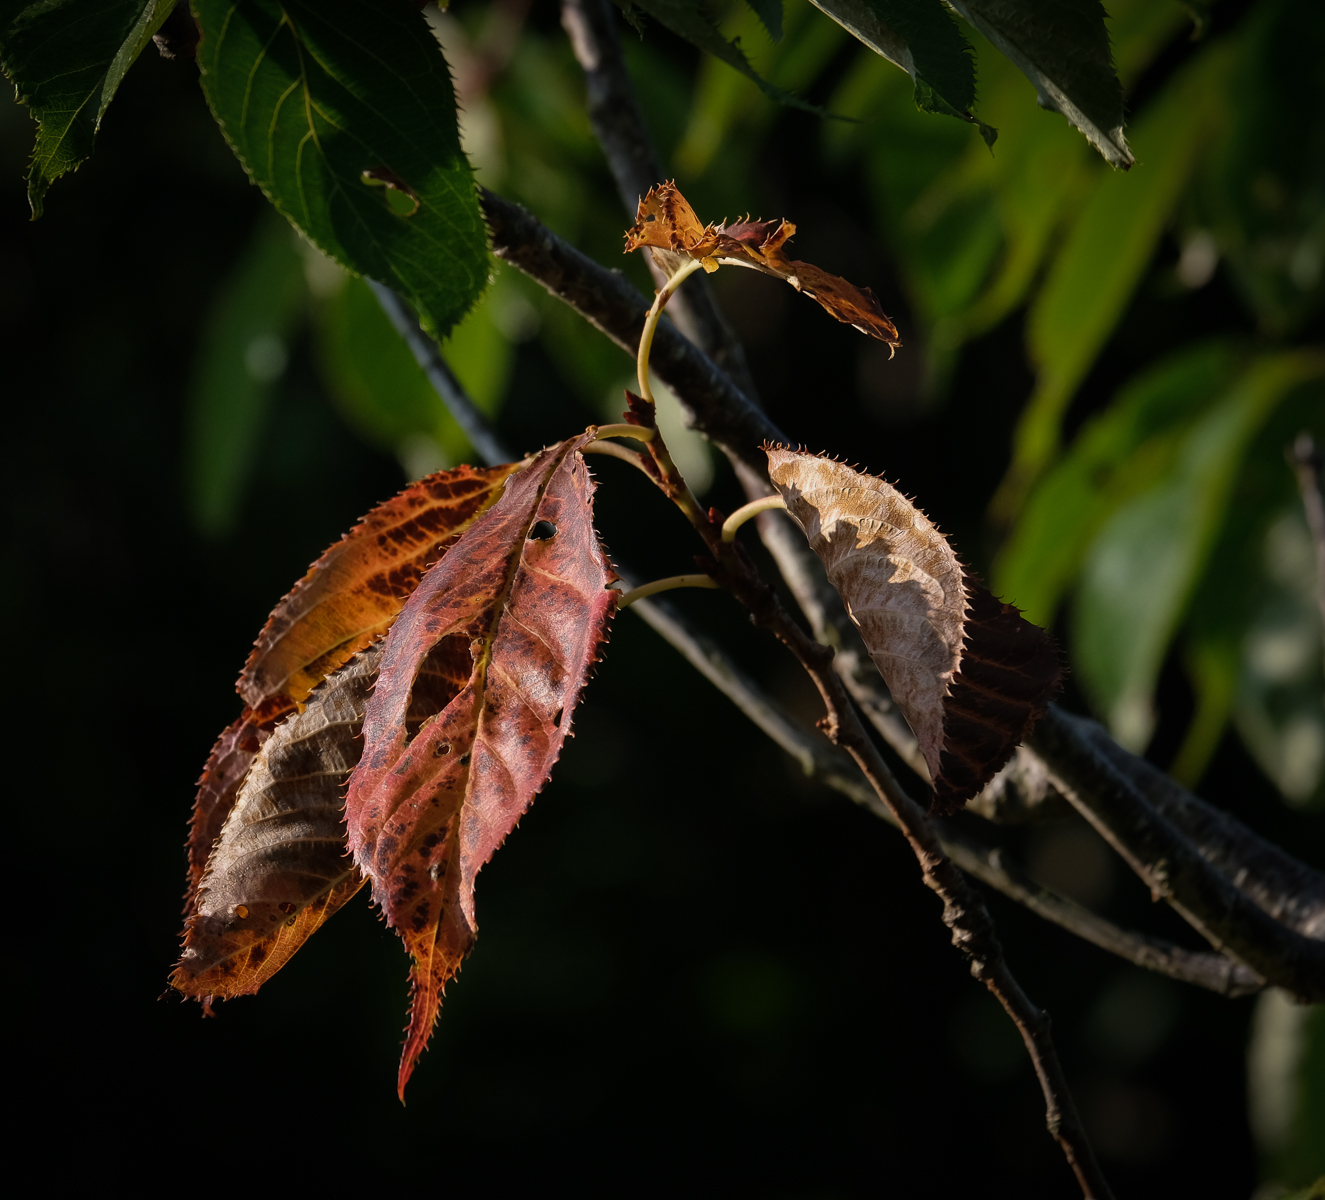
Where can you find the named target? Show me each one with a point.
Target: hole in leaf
(541, 531)
(556, 718)
(400, 198)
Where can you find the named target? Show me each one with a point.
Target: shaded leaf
(348, 597)
(666, 223)
(1146, 560)
(1062, 47)
(515, 615)
(970, 675)
(241, 360)
(280, 867)
(1106, 254)
(353, 592)
(921, 37)
(313, 95)
(769, 13)
(690, 19)
(66, 59)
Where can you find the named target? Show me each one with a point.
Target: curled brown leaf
(969, 673)
(668, 225)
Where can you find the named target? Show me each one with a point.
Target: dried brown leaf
(668, 225)
(970, 674)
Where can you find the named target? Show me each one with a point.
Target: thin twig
(445, 384)
(1170, 865)
(1307, 460)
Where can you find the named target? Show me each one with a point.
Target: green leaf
(921, 37)
(242, 358)
(1142, 567)
(769, 13)
(1107, 253)
(1062, 47)
(323, 100)
(690, 19)
(66, 58)
(1118, 454)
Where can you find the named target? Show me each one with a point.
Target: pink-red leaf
(970, 674)
(514, 615)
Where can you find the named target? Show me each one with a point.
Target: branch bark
(1170, 865)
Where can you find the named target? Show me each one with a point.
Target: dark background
(697, 971)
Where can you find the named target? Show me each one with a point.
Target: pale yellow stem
(666, 585)
(638, 432)
(746, 511)
(651, 323)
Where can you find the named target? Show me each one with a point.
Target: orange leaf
(514, 615)
(348, 597)
(667, 224)
(970, 675)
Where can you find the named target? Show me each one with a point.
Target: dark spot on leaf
(464, 759)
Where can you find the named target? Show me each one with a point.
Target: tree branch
(1170, 865)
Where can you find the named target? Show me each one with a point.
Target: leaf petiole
(665, 293)
(665, 585)
(746, 511)
(640, 433)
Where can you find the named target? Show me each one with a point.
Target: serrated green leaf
(322, 100)
(66, 59)
(243, 354)
(1062, 47)
(1143, 565)
(690, 19)
(921, 37)
(769, 13)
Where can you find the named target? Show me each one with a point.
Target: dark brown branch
(964, 911)
(1306, 460)
(727, 416)
(1170, 865)
(1290, 891)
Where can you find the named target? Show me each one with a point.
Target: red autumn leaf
(349, 596)
(515, 614)
(969, 673)
(667, 224)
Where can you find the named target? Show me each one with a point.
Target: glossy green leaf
(1143, 565)
(1107, 253)
(66, 58)
(1062, 47)
(243, 355)
(337, 109)
(1118, 454)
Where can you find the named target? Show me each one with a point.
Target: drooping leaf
(515, 613)
(280, 866)
(1144, 563)
(690, 19)
(1106, 255)
(921, 37)
(325, 104)
(67, 58)
(970, 675)
(241, 360)
(345, 601)
(667, 224)
(355, 590)
(1062, 47)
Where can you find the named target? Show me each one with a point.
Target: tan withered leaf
(667, 224)
(348, 597)
(970, 674)
(280, 866)
(515, 615)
